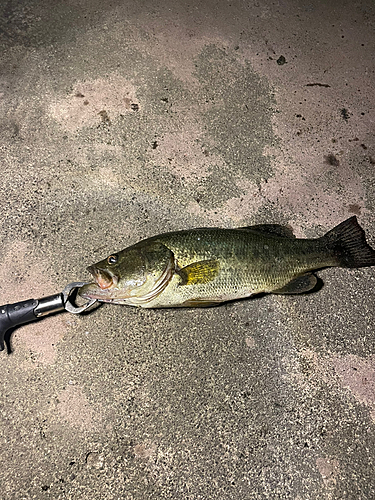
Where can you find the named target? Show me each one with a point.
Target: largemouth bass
(203, 267)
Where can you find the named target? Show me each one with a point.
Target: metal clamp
(70, 306)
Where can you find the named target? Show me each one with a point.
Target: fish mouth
(103, 277)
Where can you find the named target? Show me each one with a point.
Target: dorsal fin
(270, 230)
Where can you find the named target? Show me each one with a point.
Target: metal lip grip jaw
(19, 313)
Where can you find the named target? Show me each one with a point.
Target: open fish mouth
(103, 277)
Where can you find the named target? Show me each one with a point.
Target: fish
(207, 266)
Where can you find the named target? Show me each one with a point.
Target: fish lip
(104, 278)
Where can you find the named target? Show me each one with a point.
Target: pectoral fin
(301, 284)
(200, 272)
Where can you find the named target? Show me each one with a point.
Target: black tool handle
(12, 315)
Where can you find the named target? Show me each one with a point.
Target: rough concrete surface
(120, 120)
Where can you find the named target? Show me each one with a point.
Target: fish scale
(250, 262)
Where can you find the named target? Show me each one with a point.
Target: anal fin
(301, 284)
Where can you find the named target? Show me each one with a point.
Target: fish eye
(112, 259)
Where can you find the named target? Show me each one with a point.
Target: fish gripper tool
(26, 311)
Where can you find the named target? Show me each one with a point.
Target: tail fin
(348, 241)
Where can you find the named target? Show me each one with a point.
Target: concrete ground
(121, 120)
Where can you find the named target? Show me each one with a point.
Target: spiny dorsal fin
(301, 284)
(200, 272)
(271, 230)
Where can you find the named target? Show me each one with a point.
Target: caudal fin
(349, 243)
